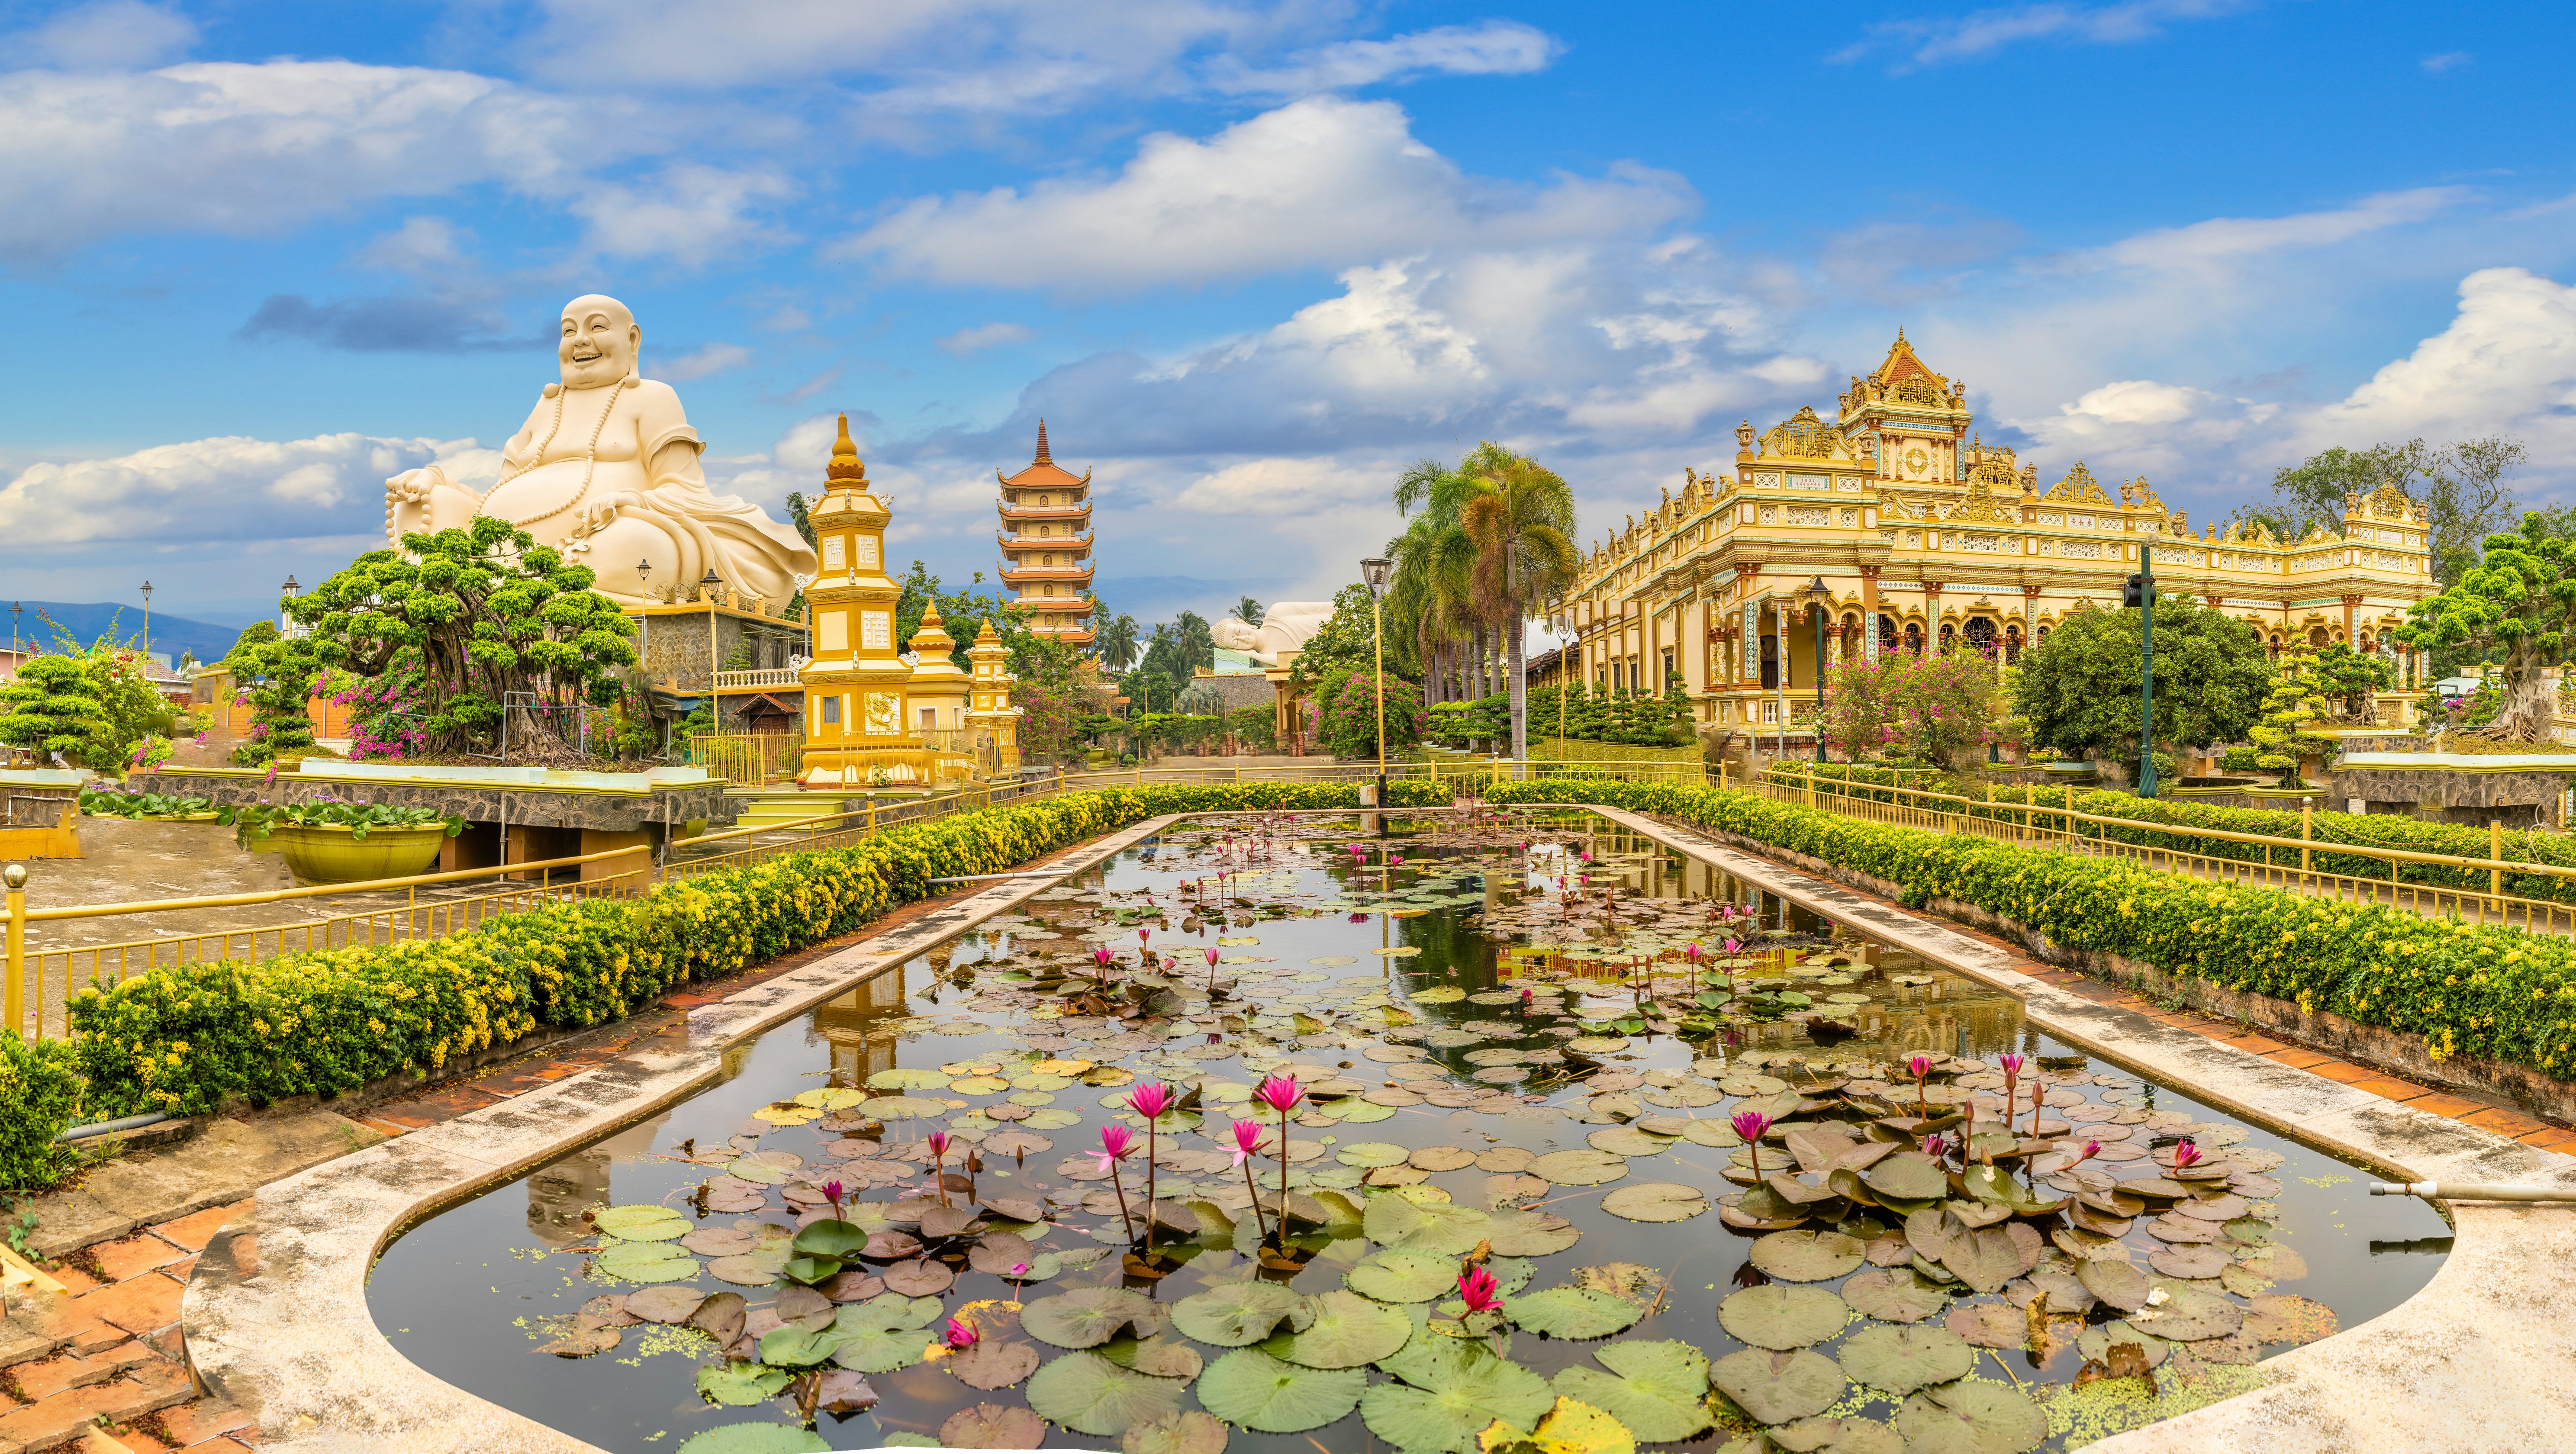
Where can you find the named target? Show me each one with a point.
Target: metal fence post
(2495, 850)
(14, 1003)
(2307, 829)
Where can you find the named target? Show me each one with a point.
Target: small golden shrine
(995, 722)
(854, 685)
(934, 700)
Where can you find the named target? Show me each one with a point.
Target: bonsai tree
(2278, 741)
(2518, 603)
(50, 711)
(277, 676)
(2078, 690)
(2348, 678)
(498, 627)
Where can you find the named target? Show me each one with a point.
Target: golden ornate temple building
(1908, 534)
(1046, 545)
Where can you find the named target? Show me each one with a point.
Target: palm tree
(1248, 611)
(1431, 588)
(1114, 638)
(1521, 521)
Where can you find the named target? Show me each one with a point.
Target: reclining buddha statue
(606, 472)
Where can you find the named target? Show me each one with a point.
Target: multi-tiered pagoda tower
(1046, 546)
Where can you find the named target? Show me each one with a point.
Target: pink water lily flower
(1247, 1140)
(1479, 1291)
(2185, 1154)
(1115, 1143)
(1750, 1125)
(1153, 1100)
(1280, 1093)
(962, 1335)
(2091, 1149)
(1100, 957)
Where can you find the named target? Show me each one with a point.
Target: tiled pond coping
(2480, 1359)
(276, 1317)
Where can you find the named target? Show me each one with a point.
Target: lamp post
(1375, 571)
(147, 626)
(1562, 624)
(15, 607)
(1817, 595)
(643, 618)
(2140, 591)
(708, 584)
(286, 623)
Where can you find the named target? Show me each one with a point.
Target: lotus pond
(1519, 1214)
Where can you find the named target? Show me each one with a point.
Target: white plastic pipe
(2472, 1191)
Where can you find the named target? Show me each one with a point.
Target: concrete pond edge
(276, 1317)
(2475, 1362)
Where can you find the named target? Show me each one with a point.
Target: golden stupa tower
(1046, 546)
(854, 685)
(991, 709)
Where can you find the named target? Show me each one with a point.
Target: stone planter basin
(325, 854)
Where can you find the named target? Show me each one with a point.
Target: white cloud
(424, 247)
(690, 213)
(112, 34)
(1285, 487)
(711, 360)
(1323, 182)
(1983, 32)
(249, 150)
(2506, 362)
(2449, 60)
(983, 336)
(1494, 48)
(2228, 241)
(226, 488)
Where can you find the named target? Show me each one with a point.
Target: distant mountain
(172, 636)
(1160, 598)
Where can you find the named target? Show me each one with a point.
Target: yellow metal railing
(2268, 861)
(742, 759)
(40, 979)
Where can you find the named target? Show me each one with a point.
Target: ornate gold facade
(1923, 536)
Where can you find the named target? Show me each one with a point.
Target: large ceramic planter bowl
(321, 854)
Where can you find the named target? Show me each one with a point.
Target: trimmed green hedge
(183, 1040)
(2372, 830)
(2495, 993)
(39, 1087)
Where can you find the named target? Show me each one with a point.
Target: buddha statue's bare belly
(546, 501)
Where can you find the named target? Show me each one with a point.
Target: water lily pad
(1806, 1255)
(740, 1385)
(1906, 1176)
(1783, 1316)
(901, 1108)
(2117, 1283)
(1090, 1394)
(1711, 1133)
(1901, 1360)
(2187, 1314)
(1971, 1418)
(1440, 1158)
(992, 1363)
(2196, 1262)
(1572, 1312)
(1262, 1393)
(1837, 1436)
(759, 1172)
(1395, 1277)
(756, 1439)
(645, 1262)
(919, 1278)
(1986, 1258)
(1371, 1153)
(1188, 1432)
(992, 1426)
(795, 1347)
(1990, 1325)
(1656, 1201)
(642, 1223)
(1895, 1295)
(1234, 1314)
(665, 1303)
(832, 1097)
(1090, 1316)
(1517, 1233)
(1571, 1426)
(1627, 1141)
(1346, 1331)
(1452, 1391)
(907, 1079)
(887, 1332)
(1778, 1387)
(1397, 1221)
(2287, 1318)
(1581, 1167)
(1657, 1387)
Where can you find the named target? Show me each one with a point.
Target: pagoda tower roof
(1043, 472)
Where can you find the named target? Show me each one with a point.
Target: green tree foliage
(2519, 602)
(2462, 487)
(254, 634)
(1248, 611)
(1113, 638)
(2279, 742)
(2347, 678)
(1347, 639)
(1346, 714)
(499, 624)
(50, 711)
(124, 711)
(279, 678)
(1939, 709)
(2078, 690)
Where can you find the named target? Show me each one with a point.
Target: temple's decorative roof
(1980, 506)
(2078, 488)
(1804, 436)
(1043, 472)
(2389, 503)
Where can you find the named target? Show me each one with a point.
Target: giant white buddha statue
(606, 471)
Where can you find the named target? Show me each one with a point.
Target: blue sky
(1249, 259)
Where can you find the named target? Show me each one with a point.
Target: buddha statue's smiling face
(598, 343)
